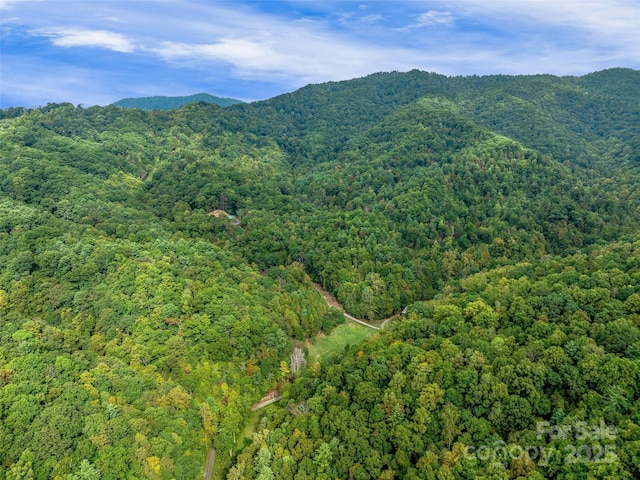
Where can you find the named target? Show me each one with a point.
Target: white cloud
(31, 88)
(258, 46)
(311, 59)
(372, 18)
(612, 20)
(432, 17)
(79, 37)
(7, 4)
(288, 44)
(239, 51)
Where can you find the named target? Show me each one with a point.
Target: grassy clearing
(247, 434)
(347, 333)
(222, 465)
(323, 346)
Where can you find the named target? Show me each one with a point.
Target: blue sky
(98, 51)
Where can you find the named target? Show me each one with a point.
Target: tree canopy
(156, 273)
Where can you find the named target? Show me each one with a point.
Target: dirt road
(333, 301)
(208, 468)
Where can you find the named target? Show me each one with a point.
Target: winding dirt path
(274, 395)
(333, 301)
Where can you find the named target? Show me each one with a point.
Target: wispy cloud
(311, 60)
(432, 17)
(78, 37)
(60, 83)
(265, 48)
(609, 20)
(7, 4)
(301, 50)
(372, 18)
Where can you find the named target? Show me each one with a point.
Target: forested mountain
(156, 268)
(172, 103)
(541, 356)
(126, 342)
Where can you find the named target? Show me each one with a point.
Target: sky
(95, 52)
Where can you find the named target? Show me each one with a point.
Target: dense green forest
(172, 103)
(139, 323)
(465, 383)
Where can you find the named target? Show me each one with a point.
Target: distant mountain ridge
(173, 103)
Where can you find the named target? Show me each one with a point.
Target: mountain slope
(425, 196)
(127, 345)
(529, 371)
(316, 120)
(138, 325)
